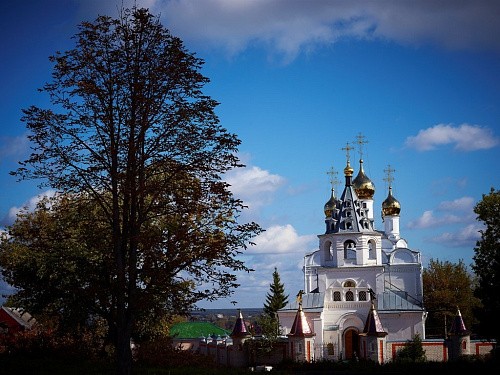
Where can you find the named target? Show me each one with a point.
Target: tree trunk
(123, 353)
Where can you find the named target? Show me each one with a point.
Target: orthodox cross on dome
(389, 177)
(360, 140)
(347, 148)
(334, 181)
(299, 296)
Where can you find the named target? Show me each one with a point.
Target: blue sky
(297, 80)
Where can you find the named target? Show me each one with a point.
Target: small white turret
(390, 210)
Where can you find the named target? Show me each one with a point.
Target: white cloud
(255, 285)
(464, 237)
(88, 10)
(29, 205)
(281, 239)
(254, 185)
(425, 221)
(459, 210)
(465, 204)
(293, 26)
(279, 246)
(465, 138)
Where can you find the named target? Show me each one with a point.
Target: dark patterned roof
(300, 326)
(458, 325)
(373, 326)
(240, 329)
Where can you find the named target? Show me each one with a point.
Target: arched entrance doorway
(351, 343)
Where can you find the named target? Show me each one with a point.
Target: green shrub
(413, 351)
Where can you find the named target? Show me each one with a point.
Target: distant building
(13, 321)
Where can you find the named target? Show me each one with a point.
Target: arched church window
(349, 225)
(348, 213)
(328, 250)
(362, 295)
(372, 253)
(349, 296)
(349, 284)
(336, 296)
(349, 249)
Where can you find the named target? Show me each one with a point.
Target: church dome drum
(330, 206)
(348, 170)
(391, 206)
(364, 187)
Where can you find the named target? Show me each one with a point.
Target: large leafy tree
(131, 132)
(487, 264)
(447, 286)
(57, 256)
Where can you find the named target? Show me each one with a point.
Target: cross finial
(389, 177)
(299, 296)
(334, 181)
(360, 140)
(347, 148)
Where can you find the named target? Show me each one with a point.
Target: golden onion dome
(391, 206)
(330, 205)
(348, 170)
(364, 187)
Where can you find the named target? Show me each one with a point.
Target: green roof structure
(193, 330)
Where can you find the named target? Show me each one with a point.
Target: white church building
(359, 271)
(362, 295)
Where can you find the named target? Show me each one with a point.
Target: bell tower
(350, 238)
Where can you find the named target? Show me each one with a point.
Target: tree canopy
(57, 257)
(487, 264)
(131, 135)
(447, 286)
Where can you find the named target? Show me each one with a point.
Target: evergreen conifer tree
(276, 298)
